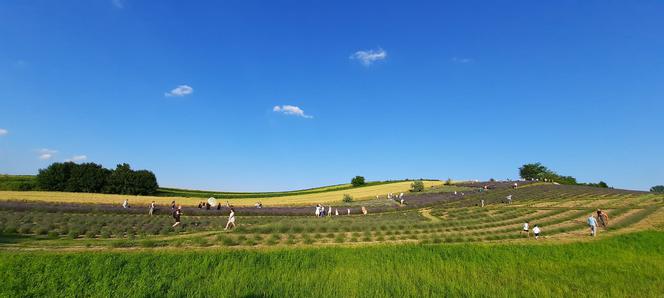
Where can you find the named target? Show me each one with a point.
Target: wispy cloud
(182, 90)
(291, 110)
(118, 3)
(77, 158)
(46, 154)
(368, 57)
(3, 132)
(462, 60)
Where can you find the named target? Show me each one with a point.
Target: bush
(657, 189)
(448, 181)
(357, 181)
(417, 186)
(347, 198)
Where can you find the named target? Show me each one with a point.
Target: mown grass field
(629, 265)
(325, 197)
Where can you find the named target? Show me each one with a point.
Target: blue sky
(275, 95)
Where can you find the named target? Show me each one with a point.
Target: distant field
(630, 265)
(325, 197)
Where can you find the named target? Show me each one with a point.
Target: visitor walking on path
(536, 231)
(592, 223)
(151, 208)
(231, 219)
(176, 215)
(526, 229)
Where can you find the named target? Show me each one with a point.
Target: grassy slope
(335, 196)
(619, 266)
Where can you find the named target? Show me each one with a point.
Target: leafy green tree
(55, 177)
(417, 186)
(602, 184)
(144, 183)
(533, 171)
(657, 189)
(87, 177)
(357, 181)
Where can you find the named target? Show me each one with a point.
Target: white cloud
(3, 132)
(182, 90)
(291, 110)
(118, 3)
(46, 154)
(370, 56)
(77, 158)
(462, 60)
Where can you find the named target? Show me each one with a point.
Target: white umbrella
(213, 202)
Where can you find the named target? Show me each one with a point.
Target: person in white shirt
(329, 211)
(348, 211)
(151, 208)
(526, 229)
(536, 231)
(231, 219)
(317, 210)
(336, 211)
(509, 199)
(125, 204)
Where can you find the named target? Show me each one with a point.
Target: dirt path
(427, 213)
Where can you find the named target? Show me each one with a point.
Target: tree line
(93, 178)
(537, 171)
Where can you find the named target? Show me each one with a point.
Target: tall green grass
(627, 265)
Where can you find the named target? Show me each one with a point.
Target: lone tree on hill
(657, 189)
(532, 171)
(357, 181)
(417, 186)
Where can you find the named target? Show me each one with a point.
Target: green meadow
(629, 265)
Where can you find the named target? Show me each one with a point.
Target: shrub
(347, 198)
(417, 186)
(448, 181)
(657, 189)
(357, 181)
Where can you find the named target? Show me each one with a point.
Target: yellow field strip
(360, 193)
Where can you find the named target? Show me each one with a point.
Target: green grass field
(621, 266)
(451, 248)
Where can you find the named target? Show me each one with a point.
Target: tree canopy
(93, 178)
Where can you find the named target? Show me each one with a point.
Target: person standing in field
(151, 208)
(364, 210)
(173, 206)
(176, 215)
(231, 219)
(592, 223)
(125, 204)
(509, 200)
(317, 210)
(526, 229)
(536, 231)
(482, 203)
(336, 211)
(603, 218)
(348, 211)
(329, 211)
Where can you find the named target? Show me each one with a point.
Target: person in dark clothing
(176, 215)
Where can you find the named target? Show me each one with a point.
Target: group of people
(207, 206)
(398, 198)
(603, 219)
(594, 220)
(321, 212)
(526, 229)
